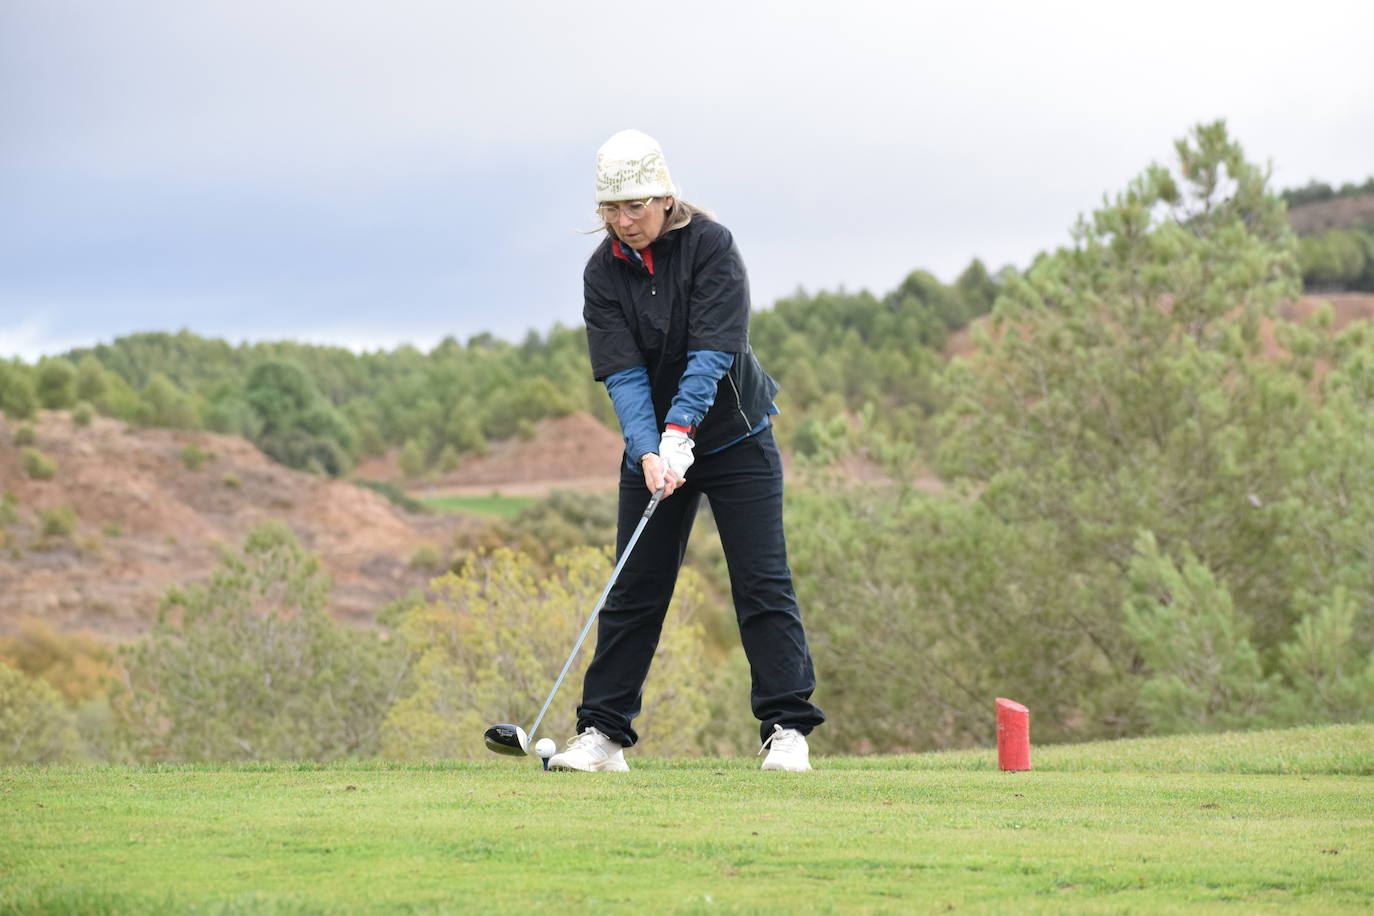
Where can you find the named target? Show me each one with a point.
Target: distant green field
(1267, 821)
(493, 505)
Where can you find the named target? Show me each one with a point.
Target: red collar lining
(647, 254)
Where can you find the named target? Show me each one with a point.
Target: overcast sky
(369, 174)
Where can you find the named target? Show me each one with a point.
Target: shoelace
(590, 736)
(783, 740)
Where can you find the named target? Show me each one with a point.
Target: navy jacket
(691, 293)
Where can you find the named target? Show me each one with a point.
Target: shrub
(34, 725)
(25, 435)
(231, 481)
(83, 415)
(503, 615)
(194, 457)
(426, 556)
(56, 387)
(112, 530)
(17, 397)
(57, 521)
(37, 465)
(9, 509)
(251, 667)
(78, 666)
(412, 459)
(394, 494)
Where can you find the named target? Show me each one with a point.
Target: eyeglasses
(634, 209)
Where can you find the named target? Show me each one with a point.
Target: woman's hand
(657, 475)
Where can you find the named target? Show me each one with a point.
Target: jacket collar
(629, 255)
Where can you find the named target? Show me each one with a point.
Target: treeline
(1339, 260)
(837, 353)
(1315, 192)
(325, 408)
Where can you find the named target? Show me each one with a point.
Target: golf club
(513, 740)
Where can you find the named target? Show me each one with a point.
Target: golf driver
(514, 740)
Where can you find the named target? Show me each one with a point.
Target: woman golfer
(666, 303)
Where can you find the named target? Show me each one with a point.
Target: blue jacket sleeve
(634, 408)
(697, 390)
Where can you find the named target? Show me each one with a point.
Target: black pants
(744, 485)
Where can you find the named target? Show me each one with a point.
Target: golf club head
(507, 739)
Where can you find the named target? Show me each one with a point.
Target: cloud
(416, 167)
(33, 338)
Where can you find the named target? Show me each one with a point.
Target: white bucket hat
(630, 166)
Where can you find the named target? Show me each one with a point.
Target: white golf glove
(675, 448)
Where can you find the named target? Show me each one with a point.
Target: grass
(1268, 821)
(493, 505)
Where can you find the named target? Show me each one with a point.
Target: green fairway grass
(493, 505)
(1264, 821)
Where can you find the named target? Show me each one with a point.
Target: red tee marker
(1013, 735)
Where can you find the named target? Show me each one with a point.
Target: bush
(501, 616)
(17, 397)
(56, 387)
(394, 494)
(83, 415)
(25, 435)
(250, 667)
(57, 521)
(412, 459)
(231, 481)
(78, 666)
(194, 457)
(162, 403)
(34, 725)
(9, 509)
(427, 557)
(37, 465)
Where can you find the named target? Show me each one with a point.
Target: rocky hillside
(1338, 213)
(147, 515)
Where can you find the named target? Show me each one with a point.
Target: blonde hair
(680, 215)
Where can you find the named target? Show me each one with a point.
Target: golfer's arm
(696, 392)
(634, 408)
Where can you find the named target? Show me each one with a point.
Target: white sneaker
(788, 751)
(591, 752)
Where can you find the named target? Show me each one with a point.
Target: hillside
(1337, 213)
(147, 521)
(572, 452)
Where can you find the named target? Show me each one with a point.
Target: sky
(374, 174)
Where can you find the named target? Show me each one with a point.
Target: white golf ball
(545, 747)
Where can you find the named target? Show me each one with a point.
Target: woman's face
(638, 233)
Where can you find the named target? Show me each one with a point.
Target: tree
(57, 388)
(164, 404)
(1120, 392)
(17, 397)
(250, 666)
(488, 648)
(977, 288)
(91, 380)
(34, 725)
(296, 425)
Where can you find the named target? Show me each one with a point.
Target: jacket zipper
(739, 402)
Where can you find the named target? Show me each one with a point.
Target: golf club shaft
(624, 555)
